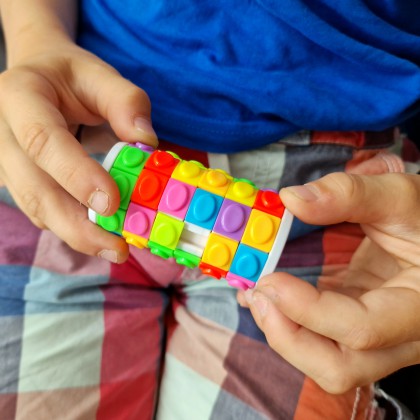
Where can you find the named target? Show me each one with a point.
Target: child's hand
(44, 98)
(370, 327)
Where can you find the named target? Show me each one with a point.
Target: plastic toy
(201, 217)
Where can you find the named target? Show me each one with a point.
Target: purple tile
(232, 219)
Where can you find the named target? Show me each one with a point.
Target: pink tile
(176, 198)
(139, 220)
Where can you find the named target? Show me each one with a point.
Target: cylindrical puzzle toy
(201, 217)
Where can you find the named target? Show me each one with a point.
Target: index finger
(335, 367)
(44, 136)
(379, 318)
(341, 197)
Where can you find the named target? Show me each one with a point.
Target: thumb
(368, 199)
(120, 102)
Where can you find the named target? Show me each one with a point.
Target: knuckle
(136, 96)
(68, 175)
(364, 338)
(348, 185)
(35, 140)
(33, 206)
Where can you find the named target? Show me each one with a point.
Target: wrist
(32, 43)
(31, 27)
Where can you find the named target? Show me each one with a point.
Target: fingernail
(304, 192)
(109, 255)
(144, 126)
(99, 201)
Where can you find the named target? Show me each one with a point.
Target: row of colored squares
(185, 201)
(206, 211)
(188, 244)
(148, 189)
(132, 160)
(150, 186)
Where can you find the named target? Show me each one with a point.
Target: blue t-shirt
(229, 75)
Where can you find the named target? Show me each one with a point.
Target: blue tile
(248, 262)
(204, 209)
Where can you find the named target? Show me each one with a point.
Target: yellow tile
(242, 192)
(219, 251)
(136, 240)
(261, 230)
(189, 172)
(215, 181)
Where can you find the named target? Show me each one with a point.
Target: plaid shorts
(81, 338)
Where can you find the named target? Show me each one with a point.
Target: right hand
(44, 98)
(366, 324)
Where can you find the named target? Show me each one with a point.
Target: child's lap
(83, 338)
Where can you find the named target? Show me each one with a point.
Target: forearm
(31, 25)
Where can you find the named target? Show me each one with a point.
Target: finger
(364, 323)
(335, 368)
(380, 163)
(365, 273)
(343, 197)
(46, 203)
(240, 297)
(44, 137)
(123, 104)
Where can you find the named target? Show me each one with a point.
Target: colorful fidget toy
(201, 217)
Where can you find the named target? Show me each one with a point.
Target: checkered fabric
(81, 338)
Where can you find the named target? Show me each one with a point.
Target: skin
(341, 338)
(370, 327)
(57, 86)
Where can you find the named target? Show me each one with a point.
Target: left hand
(370, 327)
